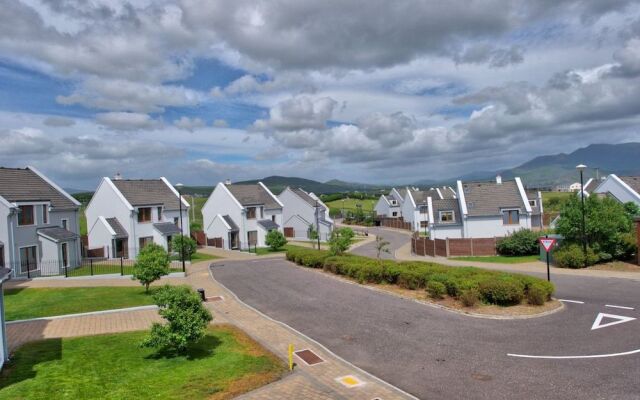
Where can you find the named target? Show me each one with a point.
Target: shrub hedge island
(467, 284)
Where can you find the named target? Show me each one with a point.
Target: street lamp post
(179, 187)
(581, 168)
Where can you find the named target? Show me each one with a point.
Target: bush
(503, 292)
(539, 293)
(519, 243)
(188, 245)
(436, 289)
(340, 240)
(275, 240)
(470, 297)
(152, 263)
(307, 257)
(186, 317)
(572, 256)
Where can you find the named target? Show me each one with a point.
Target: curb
(112, 311)
(358, 369)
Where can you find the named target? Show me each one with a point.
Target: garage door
(289, 232)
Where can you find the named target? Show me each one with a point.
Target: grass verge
(224, 364)
(499, 259)
(45, 302)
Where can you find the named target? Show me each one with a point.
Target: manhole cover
(309, 357)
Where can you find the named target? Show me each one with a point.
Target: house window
(25, 215)
(65, 255)
(159, 213)
(143, 241)
(447, 217)
(28, 260)
(175, 221)
(394, 214)
(45, 214)
(394, 202)
(252, 237)
(424, 224)
(65, 224)
(169, 239)
(273, 218)
(144, 214)
(510, 217)
(251, 212)
(533, 203)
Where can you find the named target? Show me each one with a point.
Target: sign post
(548, 245)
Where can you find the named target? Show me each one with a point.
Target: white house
(39, 224)
(5, 274)
(415, 207)
(622, 188)
(537, 209)
(240, 216)
(124, 215)
(390, 205)
(493, 209)
(302, 210)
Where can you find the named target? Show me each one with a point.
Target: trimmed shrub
(519, 243)
(503, 292)
(470, 297)
(436, 289)
(572, 256)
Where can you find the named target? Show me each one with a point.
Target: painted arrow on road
(619, 319)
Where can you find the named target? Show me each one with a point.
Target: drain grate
(215, 298)
(309, 357)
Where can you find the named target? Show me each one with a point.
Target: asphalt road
(436, 354)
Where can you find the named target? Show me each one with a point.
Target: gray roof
(253, 195)
(420, 196)
(403, 192)
(447, 192)
(268, 224)
(232, 224)
(446, 205)
(632, 181)
(489, 198)
(306, 197)
(58, 234)
(167, 228)
(147, 192)
(23, 184)
(591, 185)
(117, 228)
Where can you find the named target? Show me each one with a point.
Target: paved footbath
(433, 353)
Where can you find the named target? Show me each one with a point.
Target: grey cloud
(484, 53)
(189, 124)
(127, 121)
(298, 113)
(54, 121)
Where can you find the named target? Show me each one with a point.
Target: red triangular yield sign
(547, 243)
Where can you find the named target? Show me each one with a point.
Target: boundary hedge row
(467, 284)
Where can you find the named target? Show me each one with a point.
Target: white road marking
(622, 307)
(621, 319)
(626, 353)
(571, 301)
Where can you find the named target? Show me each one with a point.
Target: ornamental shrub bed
(467, 284)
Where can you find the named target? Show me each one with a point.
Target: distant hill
(278, 183)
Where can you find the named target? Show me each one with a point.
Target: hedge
(491, 287)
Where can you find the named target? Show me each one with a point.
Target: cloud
(220, 123)
(189, 124)
(485, 53)
(58, 122)
(298, 113)
(127, 121)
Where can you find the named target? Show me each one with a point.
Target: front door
(233, 240)
(252, 238)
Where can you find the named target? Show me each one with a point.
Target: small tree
(195, 226)
(340, 241)
(186, 317)
(382, 246)
(152, 263)
(188, 244)
(275, 240)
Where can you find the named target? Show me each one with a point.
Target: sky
(370, 91)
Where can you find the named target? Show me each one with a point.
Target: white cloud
(127, 121)
(189, 124)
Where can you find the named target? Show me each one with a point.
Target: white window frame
(453, 216)
(20, 256)
(533, 203)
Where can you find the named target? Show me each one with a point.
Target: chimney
(499, 179)
(227, 182)
(117, 177)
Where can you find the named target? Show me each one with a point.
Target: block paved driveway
(437, 354)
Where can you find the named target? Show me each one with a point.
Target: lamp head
(581, 167)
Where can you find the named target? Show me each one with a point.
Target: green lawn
(499, 259)
(202, 257)
(45, 302)
(224, 364)
(262, 251)
(350, 204)
(552, 201)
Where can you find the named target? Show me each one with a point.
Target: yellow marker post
(291, 357)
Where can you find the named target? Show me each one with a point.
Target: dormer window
(144, 214)
(26, 216)
(251, 212)
(447, 217)
(533, 203)
(394, 202)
